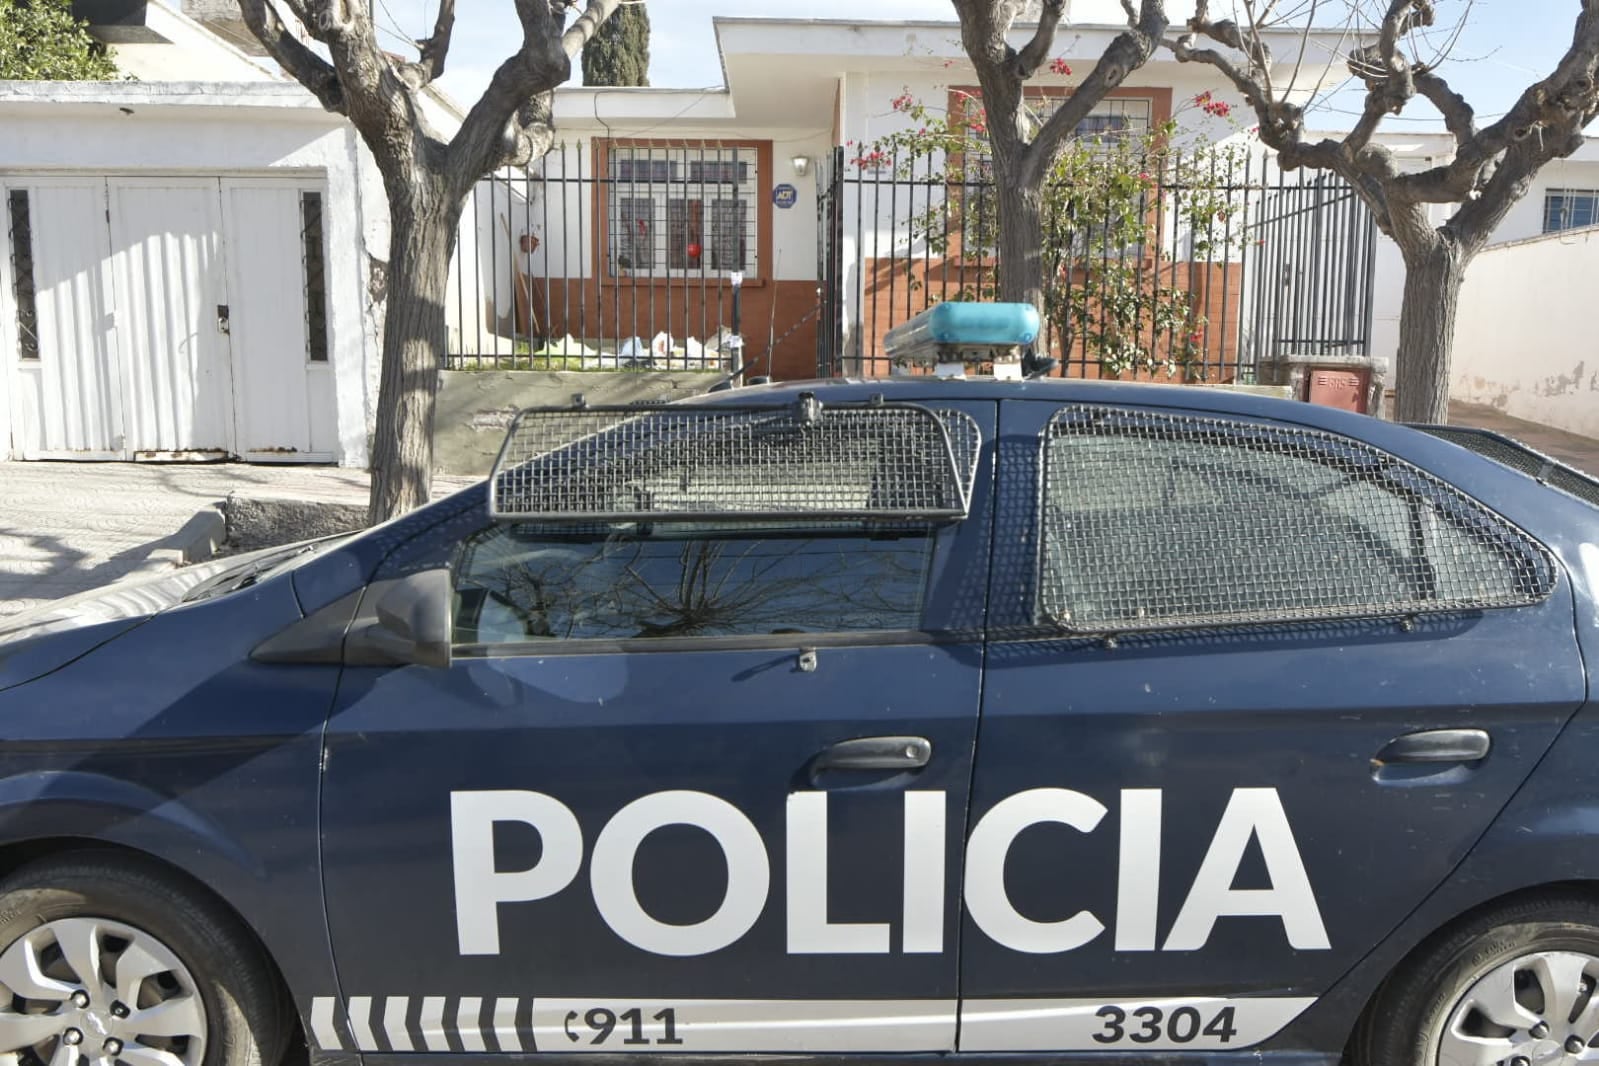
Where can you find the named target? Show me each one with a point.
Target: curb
(195, 541)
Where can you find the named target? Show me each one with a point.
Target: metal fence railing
(1194, 268)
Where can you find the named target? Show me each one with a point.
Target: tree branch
(1130, 50)
(304, 65)
(1036, 51)
(1459, 118)
(437, 47)
(498, 126)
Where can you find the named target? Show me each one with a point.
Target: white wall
(176, 130)
(1525, 342)
(189, 53)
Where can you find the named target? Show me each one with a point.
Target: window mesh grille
(1159, 521)
(316, 299)
(1519, 457)
(687, 463)
(22, 282)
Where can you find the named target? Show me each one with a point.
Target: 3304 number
(602, 1023)
(1146, 1025)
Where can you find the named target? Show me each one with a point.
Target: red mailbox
(1341, 388)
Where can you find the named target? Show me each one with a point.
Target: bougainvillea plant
(1123, 205)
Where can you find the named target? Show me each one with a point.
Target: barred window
(22, 283)
(315, 277)
(1570, 209)
(681, 212)
(1160, 521)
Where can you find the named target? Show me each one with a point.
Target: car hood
(46, 638)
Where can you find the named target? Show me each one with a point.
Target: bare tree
(1023, 151)
(426, 178)
(1492, 168)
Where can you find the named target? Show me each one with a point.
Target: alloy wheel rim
(1539, 1009)
(95, 992)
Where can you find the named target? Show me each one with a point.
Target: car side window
(516, 583)
(1157, 521)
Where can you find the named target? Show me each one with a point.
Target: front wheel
(1515, 986)
(112, 963)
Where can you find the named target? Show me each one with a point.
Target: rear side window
(1162, 521)
(519, 583)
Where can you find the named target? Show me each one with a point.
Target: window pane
(728, 219)
(1570, 209)
(633, 234)
(685, 190)
(314, 276)
(520, 583)
(1155, 521)
(22, 286)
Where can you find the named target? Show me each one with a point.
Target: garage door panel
(76, 409)
(167, 267)
(270, 351)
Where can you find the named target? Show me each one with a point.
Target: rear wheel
(1516, 986)
(108, 961)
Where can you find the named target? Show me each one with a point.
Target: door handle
(875, 753)
(1436, 745)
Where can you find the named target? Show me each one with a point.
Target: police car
(1022, 720)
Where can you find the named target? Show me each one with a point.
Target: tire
(1478, 991)
(203, 990)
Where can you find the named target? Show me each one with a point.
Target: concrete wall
(1525, 341)
(476, 406)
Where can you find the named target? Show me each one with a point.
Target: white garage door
(168, 318)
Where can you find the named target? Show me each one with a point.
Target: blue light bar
(953, 334)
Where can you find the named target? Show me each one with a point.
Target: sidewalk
(69, 527)
(1580, 452)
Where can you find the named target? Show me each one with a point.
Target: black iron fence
(626, 257)
(1191, 267)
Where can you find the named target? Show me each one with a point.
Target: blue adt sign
(785, 195)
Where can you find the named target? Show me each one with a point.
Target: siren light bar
(950, 335)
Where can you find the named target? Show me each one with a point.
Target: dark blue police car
(1022, 721)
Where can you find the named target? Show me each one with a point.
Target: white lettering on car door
(1258, 813)
(986, 900)
(749, 872)
(479, 887)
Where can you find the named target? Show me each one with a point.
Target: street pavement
(69, 527)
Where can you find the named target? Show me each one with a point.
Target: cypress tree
(619, 54)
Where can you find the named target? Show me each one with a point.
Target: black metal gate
(1276, 264)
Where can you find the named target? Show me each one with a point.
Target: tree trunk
(1427, 332)
(414, 335)
(1021, 224)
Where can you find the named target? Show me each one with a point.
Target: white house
(632, 228)
(194, 259)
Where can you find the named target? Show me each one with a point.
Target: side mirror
(413, 622)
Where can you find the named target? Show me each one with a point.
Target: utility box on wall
(1348, 382)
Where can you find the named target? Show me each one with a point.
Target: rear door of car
(1230, 738)
(685, 787)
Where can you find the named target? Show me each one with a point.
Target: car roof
(926, 388)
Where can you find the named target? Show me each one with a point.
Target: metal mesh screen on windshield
(722, 462)
(1161, 521)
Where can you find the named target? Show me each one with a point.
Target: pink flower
(903, 102)
(1059, 66)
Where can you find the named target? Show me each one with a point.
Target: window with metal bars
(22, 283)
(1570, 209)
(675, 212)
(315, 276)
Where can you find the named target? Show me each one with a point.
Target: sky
(1503, 46)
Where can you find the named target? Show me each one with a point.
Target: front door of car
(683, 788)
(1218, 760)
